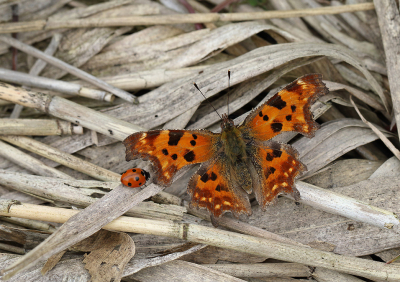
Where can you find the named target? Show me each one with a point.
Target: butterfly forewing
(171, 150)
(288, 110)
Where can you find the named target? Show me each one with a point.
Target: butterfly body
(241, 159)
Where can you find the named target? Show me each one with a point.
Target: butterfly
(135, 177)
(242, 158)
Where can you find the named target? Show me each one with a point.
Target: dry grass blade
(215, 237)
(385, 140)
(173, 19)
(75, 71)
(389, 23)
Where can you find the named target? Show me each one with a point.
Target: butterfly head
(226, 122)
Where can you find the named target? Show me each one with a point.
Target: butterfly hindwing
(288, 110)
(211, 187)
(276, 166)
(171, 150)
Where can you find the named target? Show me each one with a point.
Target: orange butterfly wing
(276, 166)
(171, 150)
(212, 187)
(288, 110)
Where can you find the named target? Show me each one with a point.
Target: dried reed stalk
(82, 193)
(215, 237)
(62, 158)
(55, 85)
(28, 162)
(67, 110)
(38, 127)
(177, 18)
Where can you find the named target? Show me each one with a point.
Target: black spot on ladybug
(189, 157)
(265, 118)
(174, 156)
(293, 108)
(194, 136)
(129, 184)
(193, 143)
(213, 176)
(165, 152)
(289, 117)
(133, 170)
(218, 188)
(110, 131)
(137, 178)
(174, 138)
(276, 127)
(204, 177)
(277, 102)
(140, 183)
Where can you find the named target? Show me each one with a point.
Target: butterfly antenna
(229, 88)
(195, 85)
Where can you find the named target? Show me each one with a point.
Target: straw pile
(78, 77)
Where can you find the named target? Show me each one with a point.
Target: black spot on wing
(194, 136)
(277, 102)
(269, 171)
(260, 114)
(204, 177)
(193, 143)
(174, 137)
(277, 153)
(213, 176)
(174, 157)
(276, 127)
(265, 118)
(189, 157)
(289, 117)
(293, 108)
(218, 188)
(165, 152)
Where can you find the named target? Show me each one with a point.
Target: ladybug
(135, 177)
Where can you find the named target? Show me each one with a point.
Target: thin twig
(187, 18)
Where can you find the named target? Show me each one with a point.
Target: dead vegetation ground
(122, 66)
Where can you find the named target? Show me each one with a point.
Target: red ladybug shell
(134, 177)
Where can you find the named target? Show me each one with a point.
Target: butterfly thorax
(232, 141)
